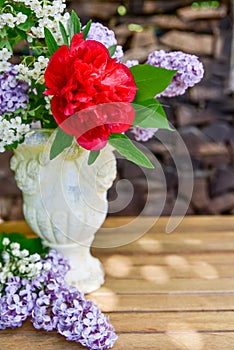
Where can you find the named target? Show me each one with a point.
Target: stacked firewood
(203, 116)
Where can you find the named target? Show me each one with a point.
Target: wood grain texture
(164, 291)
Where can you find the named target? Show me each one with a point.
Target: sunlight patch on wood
(106, 299)
(177, 262)
(118, 266)
(155, 274)
(182, 334)
(150, 245)
(205, 270)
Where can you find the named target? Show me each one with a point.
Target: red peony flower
(91, 92)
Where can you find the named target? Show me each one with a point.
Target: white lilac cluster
(106, 36)
(18, 262)
(8, 19)
(189, 70)
(48, 14)
(43, 295)
(35, 72)
(13, 97)
(5, 55)
(11, 131)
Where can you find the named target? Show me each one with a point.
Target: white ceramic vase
(65, 201)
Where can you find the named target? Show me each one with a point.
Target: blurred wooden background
(203, 116)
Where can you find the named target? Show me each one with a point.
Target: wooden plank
(182, 261)
(176, 341)
(179, 241)
(170, 266)
(172, 321)
(109, 301)
(197, 269)
(174, 243)
(198, 241)
(189, 224)
(16, 226)
(171, 340)
(152, 322)
(165, 285)
(36, 342)
(160, 242)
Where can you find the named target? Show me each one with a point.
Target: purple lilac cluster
(143, 134)
(52, 304)
(17, 303)
(131, 63)
(189, 70)
(13, 92)
(106, 36)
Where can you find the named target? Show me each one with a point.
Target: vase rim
(38, 136)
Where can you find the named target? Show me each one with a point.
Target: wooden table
(162, 292)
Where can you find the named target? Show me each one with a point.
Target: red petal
(55, 79)
(95, 139)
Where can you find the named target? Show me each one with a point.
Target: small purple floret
(13, 92)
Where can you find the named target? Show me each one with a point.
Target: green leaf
(3, 33)
(50, 41)
(127, 149)
(33, 245)
(64, 33)
(150, 114)
(150, 80)
(93, 156)
(26, 25)
(86, 29)
(34, 112)
(61, 141)
(21, 34)
(112, 50)
(6, 44)
(73, 25)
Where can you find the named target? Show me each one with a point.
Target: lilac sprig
(189, 70)
(106, 36)
(17, 302)
(13, 92)
(143, 134)
(51, 303)
(62, 307)
(80, 320)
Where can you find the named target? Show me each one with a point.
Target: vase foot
(86, 273)
(89, 280)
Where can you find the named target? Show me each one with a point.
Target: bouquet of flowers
(71, 76)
